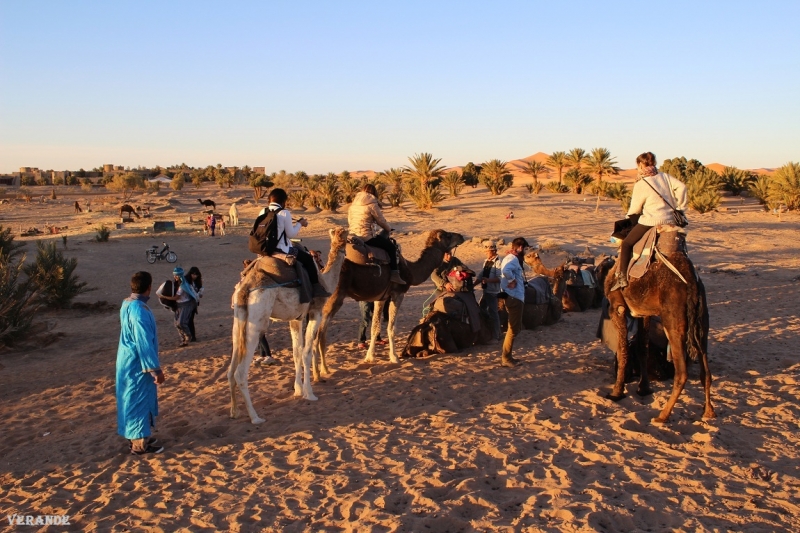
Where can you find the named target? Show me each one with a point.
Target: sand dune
(450, 443)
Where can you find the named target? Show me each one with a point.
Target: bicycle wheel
(172, 257)
(151, 257)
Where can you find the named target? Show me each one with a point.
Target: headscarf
(646, 172)
(186, 287)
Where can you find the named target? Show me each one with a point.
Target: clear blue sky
(333, 85)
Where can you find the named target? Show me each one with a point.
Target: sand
(449, 443)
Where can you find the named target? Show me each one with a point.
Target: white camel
(233, 214)
(255, 305)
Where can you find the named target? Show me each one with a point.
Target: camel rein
(663, 258)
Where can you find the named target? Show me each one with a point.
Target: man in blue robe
(138, 368)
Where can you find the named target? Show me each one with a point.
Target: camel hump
(359, 253)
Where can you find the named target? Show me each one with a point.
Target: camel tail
(696, 313)
(240, 323)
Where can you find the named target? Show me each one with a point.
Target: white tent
(161, 178)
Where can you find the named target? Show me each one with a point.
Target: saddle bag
(359, 253)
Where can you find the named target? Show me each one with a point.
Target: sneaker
(381, 342)
(151, 441)
(148, 449)
(509, 361)
(362, 345)
(266, 361)
(183, 344)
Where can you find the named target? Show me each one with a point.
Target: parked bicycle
(165, 254)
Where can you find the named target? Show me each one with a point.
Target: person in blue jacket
(512, 282)
(138, 369)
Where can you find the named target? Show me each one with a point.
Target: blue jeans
(489, 304)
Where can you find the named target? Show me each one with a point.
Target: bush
(350, 187)
(702, 190)
(177, 182)
(297, 199)
(71, 180)
(599, 188)
(787, 185)
(735, 180)
(58, 180)
(576, 180)
(27, 181)
(26, 194)
(53, 277)
(470, 174)
(329, 195)
(126, 184)
(496, 177)
(426, 196)
(17, 306)
(9, 248)
(705, 201)
(554, 186)
(103, 233)
(453, 182)
(620, 191)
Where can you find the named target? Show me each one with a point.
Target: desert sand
(448, 443)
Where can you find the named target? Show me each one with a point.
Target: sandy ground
(450, 443)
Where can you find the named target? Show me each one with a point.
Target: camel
(576, 298)
(365, 283)
(681, 305)
(233, 214)
(256, 301)
(129, 210)
(535, 315)
(442, 333)
(208, 203)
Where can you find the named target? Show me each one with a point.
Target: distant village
(28, 176)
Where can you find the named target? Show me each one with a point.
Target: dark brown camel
(545, 314)
(684, 315)
(371, 284)
(440, 333)
(208, 203)
(128, 209)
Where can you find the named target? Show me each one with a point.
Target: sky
(330, 86)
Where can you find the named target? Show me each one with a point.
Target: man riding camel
(364, 213)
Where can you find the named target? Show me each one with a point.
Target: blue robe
(137, 356)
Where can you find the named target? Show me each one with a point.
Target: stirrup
(620, 283)
(395, 278)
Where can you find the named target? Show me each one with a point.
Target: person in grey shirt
(489, 279)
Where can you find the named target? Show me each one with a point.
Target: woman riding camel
(656, 196)
(364, 213)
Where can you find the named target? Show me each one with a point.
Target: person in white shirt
(512, 282)
(654, 197)
(287, 230)
(186, 298)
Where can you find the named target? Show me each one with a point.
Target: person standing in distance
(512, 281)
(489, 278)
(138, 369)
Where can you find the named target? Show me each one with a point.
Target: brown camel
(442, 333)
(570, 299)
(129, 210)
(371, 284)
(545, 314)
(681, 305)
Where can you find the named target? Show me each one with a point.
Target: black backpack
(264, 235)
(168, 288)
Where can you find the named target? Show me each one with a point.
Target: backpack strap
(659, 194)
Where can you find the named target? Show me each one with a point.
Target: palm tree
(452, 180)
(534, 168)
(787, 184)
(396, 178)
(557, 161)
(600, 163)
(496, 177)
(424, 168)
(576, 158)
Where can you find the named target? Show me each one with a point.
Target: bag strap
(659, 195)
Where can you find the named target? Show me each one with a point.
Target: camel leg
(676, 340)
(705, 372)
(308, 348)
(239, 373)
(643, 347)
(394, 306)
(332, 306)
(296, 329)
(617, 314)
(374, 331)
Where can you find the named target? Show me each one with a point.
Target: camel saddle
(537, 291)
(275, 270)
(461, 306)
(359, 253)
(667, 239)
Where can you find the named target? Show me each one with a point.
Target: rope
(425, 307)
(661, 257)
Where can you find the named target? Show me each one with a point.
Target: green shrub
(297, 199)
(787, 185)
(554, 186)
(537, 187)
(53, 276)
(453, 182)
(762, 190)
(576, 180)
(735, 181)
(496, 177)
(599, 188)
(177, 182)
(702, 190)
(103, 233)
(17, 300)
(329, 195)
(426, 196)
(705, 201)
(350, 188)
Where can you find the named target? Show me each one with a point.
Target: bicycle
(165, 254)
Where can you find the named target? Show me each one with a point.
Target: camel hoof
(257, 420)
(709, 414)
(645, 392)
(369, 360)
(616, 397)
(658, 421)
(311, 397)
